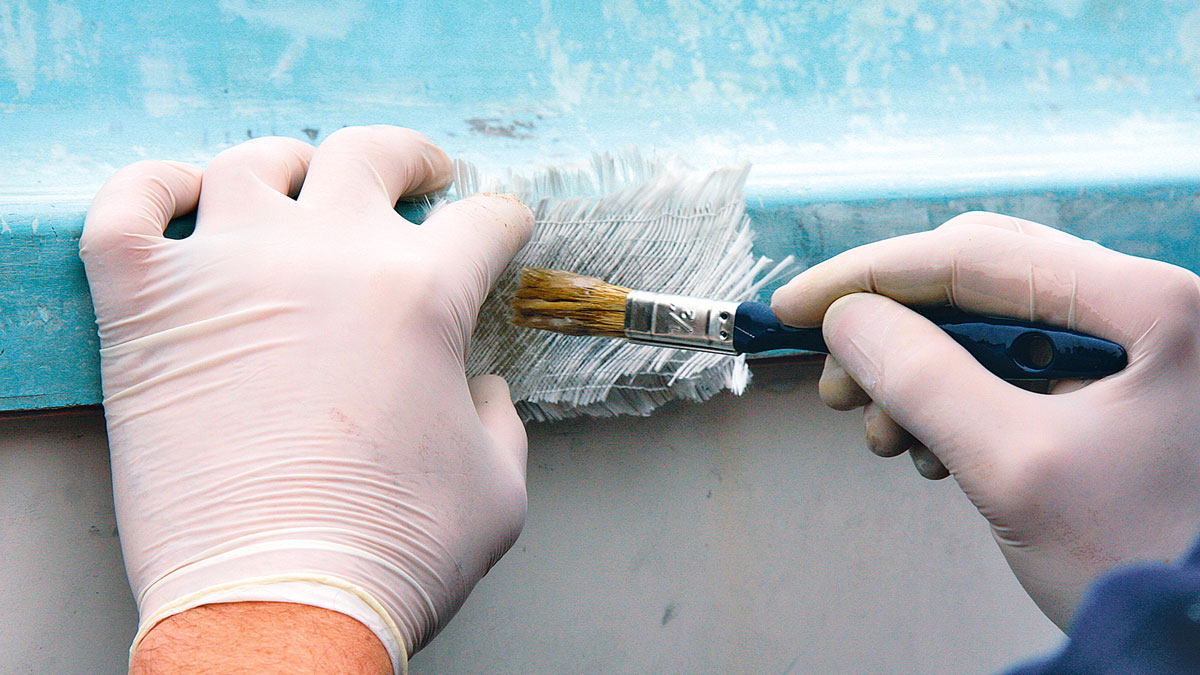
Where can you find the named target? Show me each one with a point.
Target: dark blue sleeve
(1139, 620)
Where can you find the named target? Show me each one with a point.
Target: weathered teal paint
(862, 119)
(48, 343)
(827, 98)
(48, 347)
(1160, 221)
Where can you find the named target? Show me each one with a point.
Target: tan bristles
(569, 303)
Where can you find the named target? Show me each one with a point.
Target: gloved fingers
(371, 168)
(884, 437)
(476, 238)
(927, 463)
(924, 380)
(256, 172)
(135, 205)
(985, 270)
(838, 390)
(1011, 223)
(494, 406)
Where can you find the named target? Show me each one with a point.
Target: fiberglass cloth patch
(643, 223)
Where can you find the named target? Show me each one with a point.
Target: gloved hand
(1073, 483)
(287, 410)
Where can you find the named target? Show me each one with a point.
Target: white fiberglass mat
(646, 224)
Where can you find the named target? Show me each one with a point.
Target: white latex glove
(287, 411)
(1072, 484)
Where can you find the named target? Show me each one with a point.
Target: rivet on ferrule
(680, 321)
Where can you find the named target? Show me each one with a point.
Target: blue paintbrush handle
(1010, 349)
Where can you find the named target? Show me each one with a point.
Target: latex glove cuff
(326, 592)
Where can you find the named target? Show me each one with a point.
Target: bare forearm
(263, 638)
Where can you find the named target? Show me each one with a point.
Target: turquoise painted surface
(827, 98)
(48, 347)
(862, 119)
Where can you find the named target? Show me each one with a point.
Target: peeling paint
(1189, 40)
(920, 80)
(323, 19)
(18, 45)
(68, 38)
(166, 84)
(303, 22)
(516, 129)
(572, 82)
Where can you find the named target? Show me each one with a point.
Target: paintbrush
(575, 304)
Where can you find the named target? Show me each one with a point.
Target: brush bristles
(569, 303)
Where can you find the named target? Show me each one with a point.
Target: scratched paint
(18, 51)
(825, 97)
(722, 52)
(1189, 40)
(301, 22)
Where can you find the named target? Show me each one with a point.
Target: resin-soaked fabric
(643, 223)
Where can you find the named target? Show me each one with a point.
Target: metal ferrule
(680, 321)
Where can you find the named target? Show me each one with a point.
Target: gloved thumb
(478, 236)
(923, 379)
(500, 421)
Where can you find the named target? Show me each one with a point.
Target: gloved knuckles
(838, 390)
(284, 387)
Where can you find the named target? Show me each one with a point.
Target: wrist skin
(263, 638)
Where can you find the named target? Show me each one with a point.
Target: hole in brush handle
(1033, 350)
(1022, 350)
(1009, 348)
